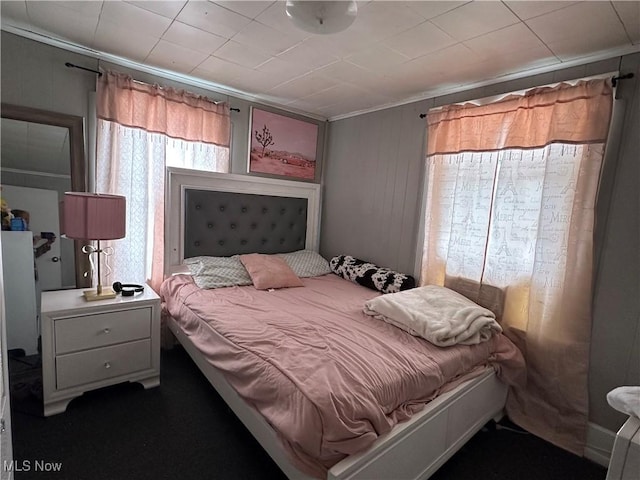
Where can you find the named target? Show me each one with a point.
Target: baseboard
(599, 444)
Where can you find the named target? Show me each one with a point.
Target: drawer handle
(107, 330)
(107, 365)
(3, 428)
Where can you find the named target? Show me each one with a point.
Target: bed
(215, 215)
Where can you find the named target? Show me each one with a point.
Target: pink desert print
(282, 145)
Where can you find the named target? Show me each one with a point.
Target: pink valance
(565, 113)
(174, 113)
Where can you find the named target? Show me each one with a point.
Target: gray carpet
(183, 430)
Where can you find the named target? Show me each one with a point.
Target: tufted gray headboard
(222, 214)
(225, 223)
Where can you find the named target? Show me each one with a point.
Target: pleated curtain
(511, 190)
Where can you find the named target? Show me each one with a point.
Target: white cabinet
(88, 345)
(625, 458)
(20, 291)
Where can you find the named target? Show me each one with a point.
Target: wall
(373, 184)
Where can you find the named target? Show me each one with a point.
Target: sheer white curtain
(131, 162)
(511, 190)
(142, 129)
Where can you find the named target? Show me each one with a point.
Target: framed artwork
(282, 146)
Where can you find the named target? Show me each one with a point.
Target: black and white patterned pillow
(371, 276)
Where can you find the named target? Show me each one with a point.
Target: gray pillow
(217, 272)
(306, 263)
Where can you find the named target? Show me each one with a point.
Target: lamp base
(91, 295)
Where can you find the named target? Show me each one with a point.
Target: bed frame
(414, 449)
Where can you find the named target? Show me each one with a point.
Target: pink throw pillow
(269, 271)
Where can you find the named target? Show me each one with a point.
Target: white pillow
(306, 263)
(217, 272)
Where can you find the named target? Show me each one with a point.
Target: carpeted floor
(183, 430)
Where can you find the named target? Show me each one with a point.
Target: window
(511, 189)
(142, 129)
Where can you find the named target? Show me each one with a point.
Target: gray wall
(372, 191)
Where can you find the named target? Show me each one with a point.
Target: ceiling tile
(193, 38)
(305, 54)
(432, 9)
(212, 18)
(474, 19)
(226, 74)
(242, 55)
(129, 16)
(123, 41)
(529, 9)
(67, 24)
(168, 9)
(337, 94)
(249, 9)
(276, 18)
(265, 38)
(598, 29)
(175, 57)
(278, 68)
(377, 58)
(629, 13)
(420, 40)
(345, 72)
(338, 47)
(438, 62)
(86, 8)
(379, 20)
(255, 83)
(304, 86)
(501, 65)
(14, 11)
(510, 40)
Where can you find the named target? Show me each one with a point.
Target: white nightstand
(88, 345)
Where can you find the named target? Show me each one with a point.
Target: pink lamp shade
(94, 216)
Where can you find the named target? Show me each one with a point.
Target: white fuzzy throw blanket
(625, 400)
(437, 314)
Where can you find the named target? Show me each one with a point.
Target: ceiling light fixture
(321, 17)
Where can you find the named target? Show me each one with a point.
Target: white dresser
(88, 345)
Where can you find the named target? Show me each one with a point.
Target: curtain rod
(97, 72)
(614, 80)
(71, 65)
(614, 83)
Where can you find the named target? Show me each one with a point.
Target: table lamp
(94, 216)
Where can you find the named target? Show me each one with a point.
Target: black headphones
(127, 289)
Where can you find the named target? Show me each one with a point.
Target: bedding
(306, 263)
(371, 276)
(269, 271)
(436, 314)
(327, 377)
(217, 272)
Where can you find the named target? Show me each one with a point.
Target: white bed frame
(414, 449)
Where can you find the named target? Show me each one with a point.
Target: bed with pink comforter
(327, 377)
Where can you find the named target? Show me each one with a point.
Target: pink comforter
(327, 377)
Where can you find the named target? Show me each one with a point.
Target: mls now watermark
(31, 466)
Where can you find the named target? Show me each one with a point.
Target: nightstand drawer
(101, 363)
(101, 329)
